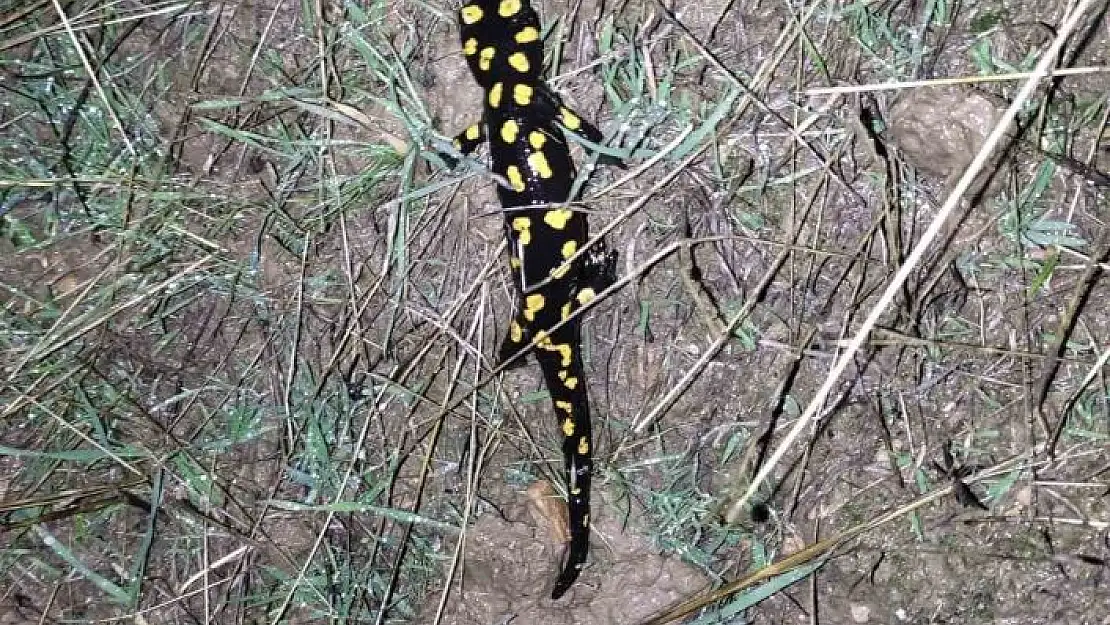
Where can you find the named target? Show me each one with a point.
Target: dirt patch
(511, 561)
(941, 129)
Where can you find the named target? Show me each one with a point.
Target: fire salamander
(524, 124)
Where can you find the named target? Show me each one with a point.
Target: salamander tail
(576, 557)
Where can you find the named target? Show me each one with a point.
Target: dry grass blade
(960, 80)
(104, 99)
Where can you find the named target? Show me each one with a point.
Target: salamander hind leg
(466, 142)
(599, 272)
(550, 106)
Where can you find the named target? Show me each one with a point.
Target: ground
(249, 317)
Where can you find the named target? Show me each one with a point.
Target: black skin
(524, 123)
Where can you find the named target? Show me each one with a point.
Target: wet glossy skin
(524, 122)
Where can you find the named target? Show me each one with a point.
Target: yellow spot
(519, 62)
(543, 341)
(570, 120)
(470, 14)
(470, 48)
(563, 374)
(516, 333)
(522, 94)
(566, 313)
(537, 139)
(457, 144)
(566, 352)
(576, 491)
(567, 423)
(514, 262)
(508, 8)
(532, 305)
(495, 95)
(571, 383)
(509, 131)
(512, 172)
(473, 133)
(538, 162)
(569, 248)
(528, 34)
(585, 520)
(585, 295)
(484, 58)
(522, 225)
(583, 446)
(558, 218)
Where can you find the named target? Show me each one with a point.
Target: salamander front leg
(466, 142)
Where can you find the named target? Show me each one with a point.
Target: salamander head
(501, 41)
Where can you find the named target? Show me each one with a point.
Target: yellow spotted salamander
(524, 123)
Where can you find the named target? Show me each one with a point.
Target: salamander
(524, 123)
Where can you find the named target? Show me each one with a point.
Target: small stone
(860, 613)
(793, 544)
(1024, 496)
